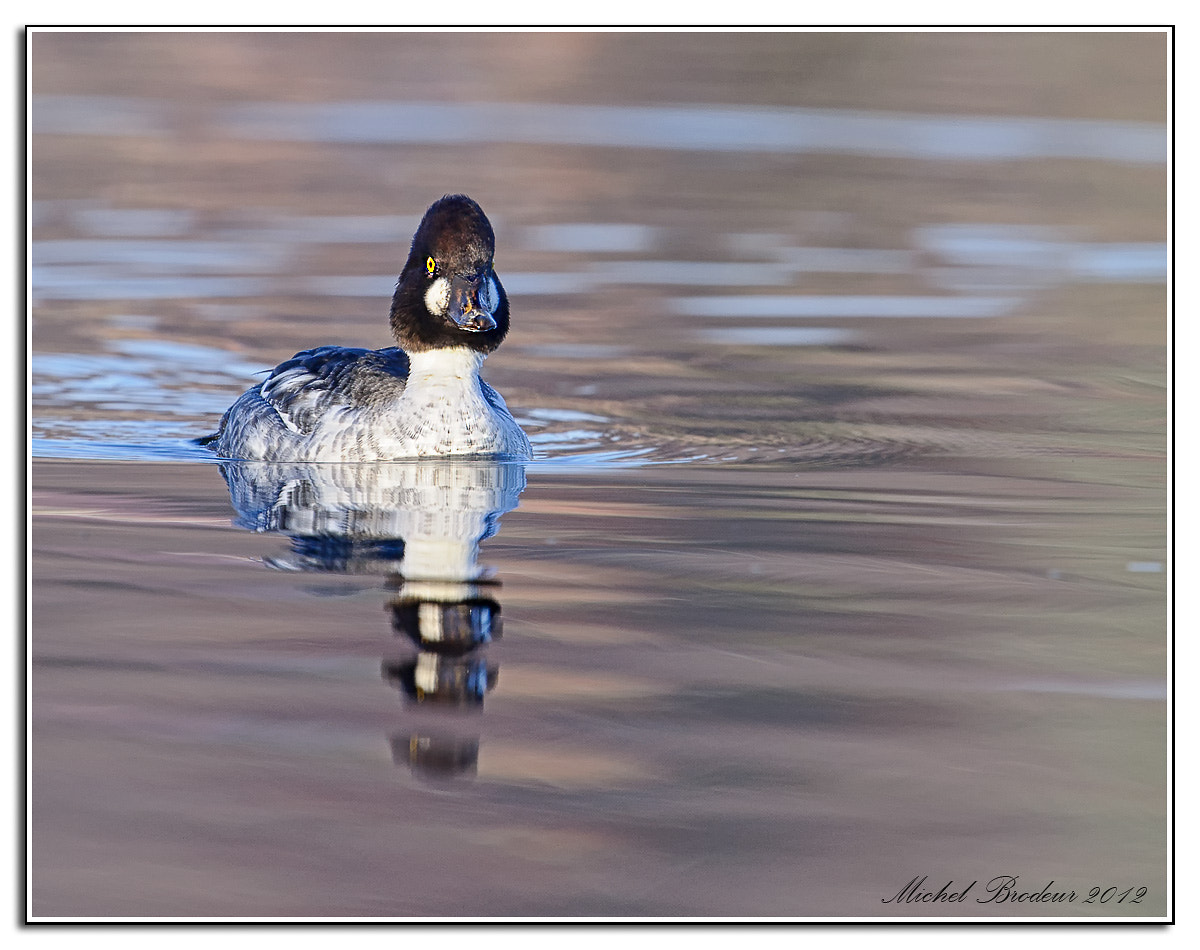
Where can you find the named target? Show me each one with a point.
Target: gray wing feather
(315, 383)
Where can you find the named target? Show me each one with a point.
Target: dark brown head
(448, 294)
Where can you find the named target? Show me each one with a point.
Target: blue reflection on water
(780, 336)
(844, 305)
(98, 115)
(1121, 263)
(122, 442)
(163, 256)
(590, 238)
(699, 128)
(1044, 251)
(162, 376)
(100, 283)
(705, 128)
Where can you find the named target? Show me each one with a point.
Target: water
(842, 560)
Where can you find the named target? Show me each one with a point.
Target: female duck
(424, 399)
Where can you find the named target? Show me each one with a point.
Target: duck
(423, 397)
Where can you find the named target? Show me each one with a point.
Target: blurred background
(843, 558)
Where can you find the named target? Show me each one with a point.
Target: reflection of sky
(845, 305)
(166, 385)
(703, 128)
(116, 439)
(779, 336)
(137, 375)
(699, 127)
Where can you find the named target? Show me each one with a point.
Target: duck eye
(430, 265)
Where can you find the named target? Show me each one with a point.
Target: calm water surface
(843, 559)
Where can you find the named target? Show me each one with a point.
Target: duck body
(338, 403)
(422, 399)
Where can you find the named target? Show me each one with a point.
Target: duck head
(448, 294)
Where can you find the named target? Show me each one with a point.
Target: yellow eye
(430, 265)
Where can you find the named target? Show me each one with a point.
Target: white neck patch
(444, 366)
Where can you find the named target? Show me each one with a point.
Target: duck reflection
(420, 525)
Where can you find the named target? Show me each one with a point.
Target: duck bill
(465, 309)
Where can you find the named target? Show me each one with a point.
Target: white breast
(445, 409)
